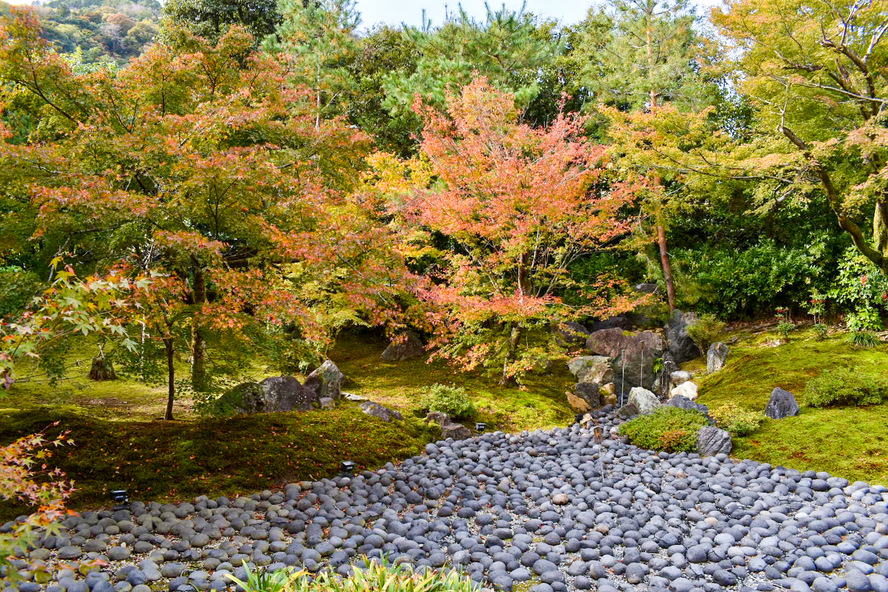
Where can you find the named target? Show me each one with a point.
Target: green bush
(844, 388)
(668, 428)
(452, 400)
(373, 577)
(736, 420)
(864, 339)
(705, 330)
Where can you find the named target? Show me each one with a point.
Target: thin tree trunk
(171, 378)
(661, 231)
(199, 380)
(507, 378)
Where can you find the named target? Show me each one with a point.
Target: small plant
(845, 387)
(668, 428)
(705, 331)
(373, 576)
(281, 580)
(736, 420)
(785, 326)
(863, 339)
(821, 330)
(452, 400)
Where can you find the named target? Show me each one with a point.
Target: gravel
(547, 510)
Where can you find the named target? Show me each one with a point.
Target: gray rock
(644, 400)
(781, 405)
(377, 410)
(326, 381)
(406, 347)
(570, 334)
(590, 392)
(327, 403)
(679, 343)
(70, 552)
(456, 431)
(712, 440)
(716, 357)
(591, 369)
(678, 377)
(277, 393)
(633, 355)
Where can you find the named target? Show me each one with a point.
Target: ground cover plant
(668, 428)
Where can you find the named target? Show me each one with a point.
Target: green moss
(846, 442)
(668, 428)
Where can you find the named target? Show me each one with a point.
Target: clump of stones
(550, 511)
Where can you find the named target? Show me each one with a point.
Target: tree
(199, 169)
(510, 48)
(817, 74)
(211, 19)
(515, 206)
(637, 55)
(318, 38)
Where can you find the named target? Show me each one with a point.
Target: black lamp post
(120, 499)
(480, 427)
(348, 467)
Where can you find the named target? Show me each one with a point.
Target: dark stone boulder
(590, 392)
(781, 405)
(685, 403)
(621, 322)
(626, 411)
(276, 393)
(712, 440)
(405, 347)
(377, 410)
(101, 369)
(326, 381)
(679, 343)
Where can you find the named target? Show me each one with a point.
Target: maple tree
(206, 170)
(515, 207)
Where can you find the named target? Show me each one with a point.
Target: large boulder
(326, 381)
(687, 390)
(377, 410)
(684, 403)
(570, 334)
(643, 400)
(679, 343)
(712, 440)
(633, 356)
(590, 392)
(678, 377)
(617, 322)
(455, 431)
(591, 369)
(577, 403)
(716, 357)
(101, 369)
(404, 347)
(277, 393)
(781, 405)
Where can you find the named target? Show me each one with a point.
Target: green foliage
(17, 289)
(734, 284)
(706, 330)
(785, 326)
(263, 580)
(380, 576)
(211, 19)
(452, 400)
(735, 419)
(845, 387)
(821, 330)
(668, 428)
(864, 339)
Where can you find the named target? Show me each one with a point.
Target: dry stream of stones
(547, 511)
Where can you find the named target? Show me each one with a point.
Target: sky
(395, 12)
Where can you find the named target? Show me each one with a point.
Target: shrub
(821, 330)
(864, 339)
(705, 330)
(668, 428)
(373, 577)
(845, 387)
(452, 400)
(736, 420)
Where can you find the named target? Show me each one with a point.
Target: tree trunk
(667, 267)
(171, 378)
(199, 380)
(508, 379)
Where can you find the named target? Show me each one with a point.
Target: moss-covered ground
(119, 442)
(848, 442)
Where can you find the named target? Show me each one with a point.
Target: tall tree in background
(510, 48)
(638, 55)
(318, 37)
(211, 19)
(818, 73)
